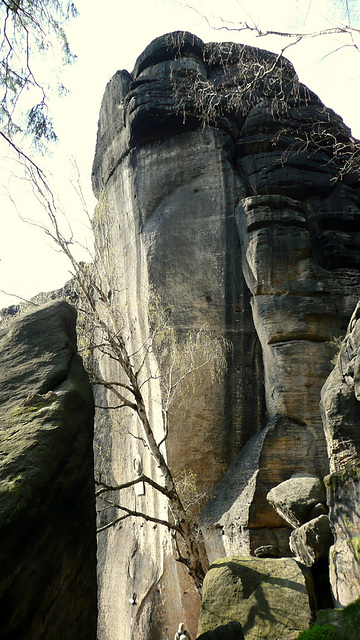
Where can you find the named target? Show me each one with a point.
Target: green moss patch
(335, 624)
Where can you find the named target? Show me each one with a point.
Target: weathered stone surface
(340, 407)
(240, 224)
(340, 400)
(345, 621)
(177, 234)
(267, 551)
(295, 498)
(312, 540)
(230, 631)
(343, 494)
(267, 596)
(292, 296)
(47, 510)
(239, 518)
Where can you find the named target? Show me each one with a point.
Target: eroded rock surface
(343, 496)
(268, 597)
(340, 406)
(340, 400)
(343, 489)
(227, 204)
(295, 498)
(230, 631)
(312, 540)
(47, 510)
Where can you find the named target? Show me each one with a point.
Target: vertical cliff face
(340, 409)
(47, 524)
(225, 203)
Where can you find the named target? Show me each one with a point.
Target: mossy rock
(230, 631)
(267, 596)
(320, 632)
(335, 624)
(47, 510)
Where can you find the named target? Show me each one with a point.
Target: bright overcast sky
(109, 38)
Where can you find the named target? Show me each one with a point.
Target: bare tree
(159, 356)
(240, 77)
(341, 19)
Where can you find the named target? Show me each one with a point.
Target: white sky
(111, 38)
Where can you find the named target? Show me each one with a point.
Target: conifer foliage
(31, 32)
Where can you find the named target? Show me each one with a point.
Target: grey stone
(47, 509)
(267, 551)
(340, 406)
(267, 596)
(312, 540)
(239, 518)
(295, 498)
(319, 510)
(234, 216)
(343, 494)
(230, 631)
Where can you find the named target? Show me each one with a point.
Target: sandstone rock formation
(226, 203)
(47, 510)
(312, 540)
(340, 409)
(268, 597)
(340, 397)
(295, 498)
(343, 497)
(230, 631)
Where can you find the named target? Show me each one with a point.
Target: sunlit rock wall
(227, 205)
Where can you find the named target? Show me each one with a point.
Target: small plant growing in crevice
(335, 343)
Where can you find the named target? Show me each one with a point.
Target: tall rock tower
(222, 194)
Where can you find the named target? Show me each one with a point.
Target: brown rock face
(47, 510)
(234, 216)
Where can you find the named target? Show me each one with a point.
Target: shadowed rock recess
(47, 509)
(221, 188)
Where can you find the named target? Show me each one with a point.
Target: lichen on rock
(47, 508)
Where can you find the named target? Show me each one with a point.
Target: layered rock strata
(218, 190)
(47, 508)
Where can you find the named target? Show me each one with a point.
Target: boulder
(230, 631)
(268, 597)
(295, 498)
(267, 551)
(47, 509)
(239, 518)
(319, 510)
(312, 540)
